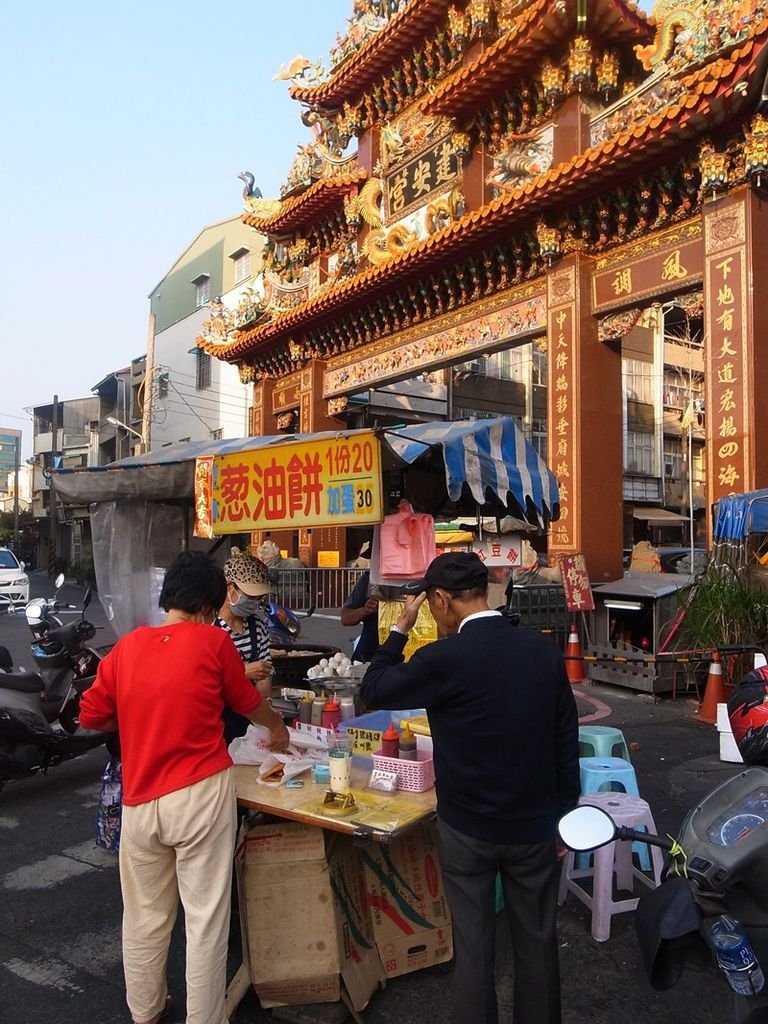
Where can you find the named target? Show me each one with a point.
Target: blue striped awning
(489, 456)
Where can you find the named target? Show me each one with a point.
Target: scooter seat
(23, 682)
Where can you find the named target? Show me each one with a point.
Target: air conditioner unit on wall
(476, 366)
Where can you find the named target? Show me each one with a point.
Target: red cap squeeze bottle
(390, 742)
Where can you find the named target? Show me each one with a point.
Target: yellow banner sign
(335, 482)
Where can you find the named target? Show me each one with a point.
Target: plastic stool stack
(615, 859)
(602, 741)
(614, 774)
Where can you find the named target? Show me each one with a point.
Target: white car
(14, 582)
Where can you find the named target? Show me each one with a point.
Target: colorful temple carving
(571, 176)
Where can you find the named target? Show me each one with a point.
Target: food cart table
(290, 804)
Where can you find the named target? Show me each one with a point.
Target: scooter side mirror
(22, 566)
(586, 828)
(59, 581)
(310, 611)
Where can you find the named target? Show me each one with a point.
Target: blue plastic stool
(602, 741)
(599, 774)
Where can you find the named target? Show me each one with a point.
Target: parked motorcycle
(713, 900)
(39, 725)
(284, 625)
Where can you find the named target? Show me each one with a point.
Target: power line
(192, 376)
(206, 425)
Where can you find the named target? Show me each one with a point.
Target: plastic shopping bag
(110, 810)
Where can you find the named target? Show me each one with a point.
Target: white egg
(323, 663)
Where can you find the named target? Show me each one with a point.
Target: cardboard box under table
(406, 901)
(306, 931)
(327, 916)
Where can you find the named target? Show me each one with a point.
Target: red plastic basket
(415, 776)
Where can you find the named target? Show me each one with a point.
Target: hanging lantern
(714, 169)
(550, 246)
(480, 15)
(553, 82)
(580, 63)
(459, 26)
(352, 213)
(507, 12)
(299, 251)
(756, 151)
(607, 73)
(462, 145)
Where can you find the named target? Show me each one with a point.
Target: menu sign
(334, 482)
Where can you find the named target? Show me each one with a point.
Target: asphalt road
(60, 898)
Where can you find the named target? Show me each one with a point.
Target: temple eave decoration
(321, 197)
(533, 36)
(599, 169)
(374, 41)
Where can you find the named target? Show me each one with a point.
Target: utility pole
(16, 496)
(149, 373)
(52, 491)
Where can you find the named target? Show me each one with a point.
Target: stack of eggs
(337, 666)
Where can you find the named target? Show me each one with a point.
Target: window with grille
(217, 435)
(203, 371)
(639, 453)
(202, 290)
(242, 264)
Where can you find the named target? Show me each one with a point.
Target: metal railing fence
(300, 588)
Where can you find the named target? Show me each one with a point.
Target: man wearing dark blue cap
(505, 731)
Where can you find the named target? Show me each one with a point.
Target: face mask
(244, 607)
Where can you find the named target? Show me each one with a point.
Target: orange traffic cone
(714, 692)
(574, 665)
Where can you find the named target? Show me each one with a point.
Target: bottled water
(735, 956)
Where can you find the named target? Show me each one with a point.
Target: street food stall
(145, 509)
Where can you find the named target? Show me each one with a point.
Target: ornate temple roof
(301, 210)
(541, 29)
(377, 55)
(707, 98)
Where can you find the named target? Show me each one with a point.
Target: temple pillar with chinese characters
(736, 326)
(262, 424)
(585, 424)
(314, 418)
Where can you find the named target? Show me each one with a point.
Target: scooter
(283, 624)
(716, 871)
(63, 656)
(39, 725)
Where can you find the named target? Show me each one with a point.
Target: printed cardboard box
(304, 917)
(406, 902)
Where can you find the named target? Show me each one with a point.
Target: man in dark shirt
(360, 607)
(505, 731)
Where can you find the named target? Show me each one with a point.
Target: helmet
(748, 714)
(249, 574)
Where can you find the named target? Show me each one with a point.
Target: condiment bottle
(407, 744)
(305, 709)
(390, 742)
(347, 708)
(318, 703)
(331, 714)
